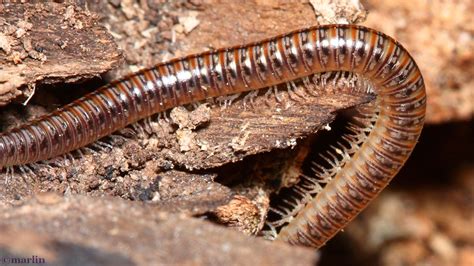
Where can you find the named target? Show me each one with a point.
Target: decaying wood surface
(174, 164)
(205, 138)
(80, 230)
(50, 43)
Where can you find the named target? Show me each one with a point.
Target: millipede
(375, 154)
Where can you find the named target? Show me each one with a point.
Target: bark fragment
(50, 43)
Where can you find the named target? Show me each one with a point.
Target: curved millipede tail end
(377, 151)
(379, 148)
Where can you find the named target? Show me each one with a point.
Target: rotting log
(50, 43)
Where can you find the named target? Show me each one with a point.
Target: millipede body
(399, 110)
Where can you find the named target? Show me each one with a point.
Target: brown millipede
(396, 117)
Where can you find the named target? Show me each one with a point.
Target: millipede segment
(399, 112)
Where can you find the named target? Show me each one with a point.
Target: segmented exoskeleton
(399, 110)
